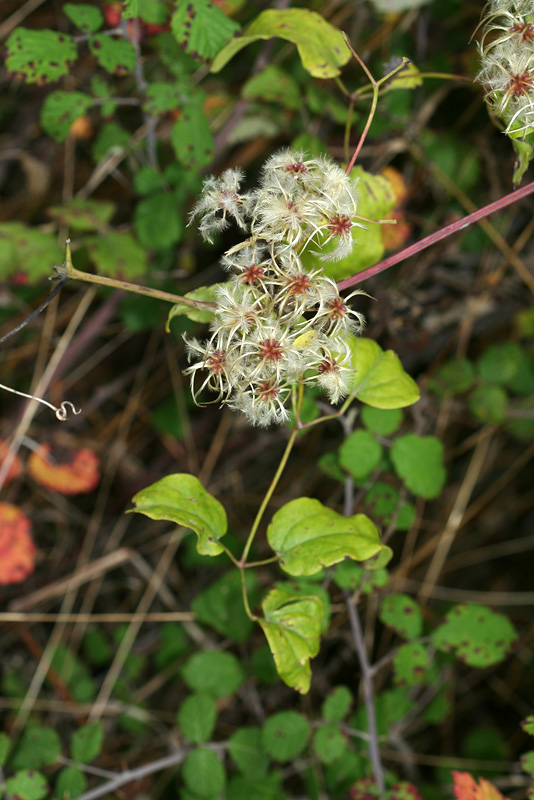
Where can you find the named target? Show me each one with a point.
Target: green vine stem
(67, 270)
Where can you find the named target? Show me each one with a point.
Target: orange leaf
(16, 465)
(394, 237)
(75, 476)
(400, 190)
(17, 550)
(466, 788)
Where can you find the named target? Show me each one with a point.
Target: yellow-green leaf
(379, 378)
(182, 499)
(321, 47)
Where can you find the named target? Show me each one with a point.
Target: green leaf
(213, 672)
(376, 199)
(337, 704)
(285, 735)
(379, 379)
(503, 364)
(87, 18)
(221, 605)
(148, 180)
(488, 403)
(525, 323)
(70, 783)
(455, 376)
(329, 743)
(158, 222)
(39, 56)
(5, 746)
(401, 612)
(203, 773)
(527, 725)
(96, 647)
(203, 293)
(84, 215)
(37, 747)
(407, 78)
(527, 762)
(321, 47)
(174, 644)
(478, 636)
(292, 626)
(350, 576)
(246, 749)
(27, 250)
(383, 421)
(360, 454)
(116, 56)
(410, 664)
(110, 137)
(201, 28)
(60, 109)
(524, 153)
(246, 787)
(130, 9)
(117, 254)
(182, 499)
(418, 460)
(308, 536)
(191, 137)
(197, 716)
(273, 85)
(27, 785)
(161, 97)
(86, 743)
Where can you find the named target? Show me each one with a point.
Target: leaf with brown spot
(466, 788)
(76, 475)
(17, 549)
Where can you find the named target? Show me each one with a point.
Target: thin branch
(438, 236)
(61, 279)
(368, 691)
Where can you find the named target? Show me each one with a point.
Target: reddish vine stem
(448, 230)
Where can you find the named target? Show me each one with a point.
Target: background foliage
(122, 645)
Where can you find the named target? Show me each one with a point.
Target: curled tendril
(60, 411)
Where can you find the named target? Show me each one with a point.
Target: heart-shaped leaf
(182, 499)
(307, 536)
(380, 379)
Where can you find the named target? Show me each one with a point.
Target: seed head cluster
(507, 62)
(277, 323)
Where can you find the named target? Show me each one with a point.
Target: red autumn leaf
(466, 788)
(16, 464)
(17, 550)
(74, 476)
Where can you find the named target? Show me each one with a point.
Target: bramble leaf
(75, 473)
(201, 28)
(60, 109)
(182, 499)
(191, 137)
(478, 636)
(161, 97)
(456, 375)
(337, 704)
(117, 254)
(203, 773)
(27, 250)
(114, 55)
(401, 612)
(329, 743)
(360, 454)
(157, 220)
(221, 605)
(70, 783)
(87, 18)
(488, 403)
(86, 743)
(197, 716)
(418, 460)
(379, 378)
(528, 724)
(308, 536)
(292, 626)
(39, 56)
(27, 785)
(410, 664)
(84, 215)
(5, 746)
(37, 747)
(245, 748)
(285, 735)
(213, 672)
(273, 85)
(321, 47)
